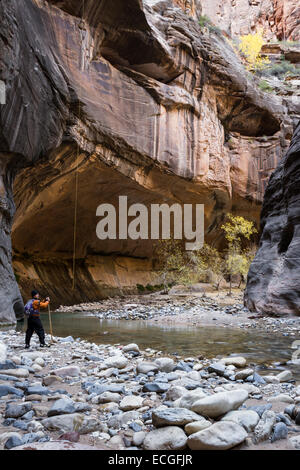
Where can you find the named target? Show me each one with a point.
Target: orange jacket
(37, 304)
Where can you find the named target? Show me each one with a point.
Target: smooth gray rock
(173, 417)
(220, 403)
(61, 407)
(219, 436)
(167, 438)
(17, 410)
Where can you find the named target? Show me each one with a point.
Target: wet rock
(173, 417)
(168, 438)
(280, 432)
(246, 418)
(220, 403)
(219, 436)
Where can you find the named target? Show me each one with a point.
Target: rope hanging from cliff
(76, 188)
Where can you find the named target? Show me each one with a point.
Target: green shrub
(280, 70)
(264, 86)
(140, 287)
(204, 21)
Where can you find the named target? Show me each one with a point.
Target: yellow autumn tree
(250, 46)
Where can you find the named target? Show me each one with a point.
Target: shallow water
(210, 341)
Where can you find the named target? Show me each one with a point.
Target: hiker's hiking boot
(27, 346)
(45, 345)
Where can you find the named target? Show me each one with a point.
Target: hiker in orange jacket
(34, 324)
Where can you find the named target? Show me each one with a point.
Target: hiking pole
(50, 323)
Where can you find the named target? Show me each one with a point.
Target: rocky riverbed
(77, 394)
(188, 309)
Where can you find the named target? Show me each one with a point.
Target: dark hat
(34, 293)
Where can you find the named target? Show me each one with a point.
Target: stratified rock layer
(137, 100)
(274, 278)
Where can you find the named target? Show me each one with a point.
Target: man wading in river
(34, 324)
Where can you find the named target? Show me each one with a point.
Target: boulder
(71, 422)
(220, 403)
(246, 418)
(173, 417)
(17, 410)
(189, 398)
(167, 438)
(219, 436)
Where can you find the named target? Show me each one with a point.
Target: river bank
(120, 397)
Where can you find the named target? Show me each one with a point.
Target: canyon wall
(132, 99)
(279, 19)
(273, 285)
